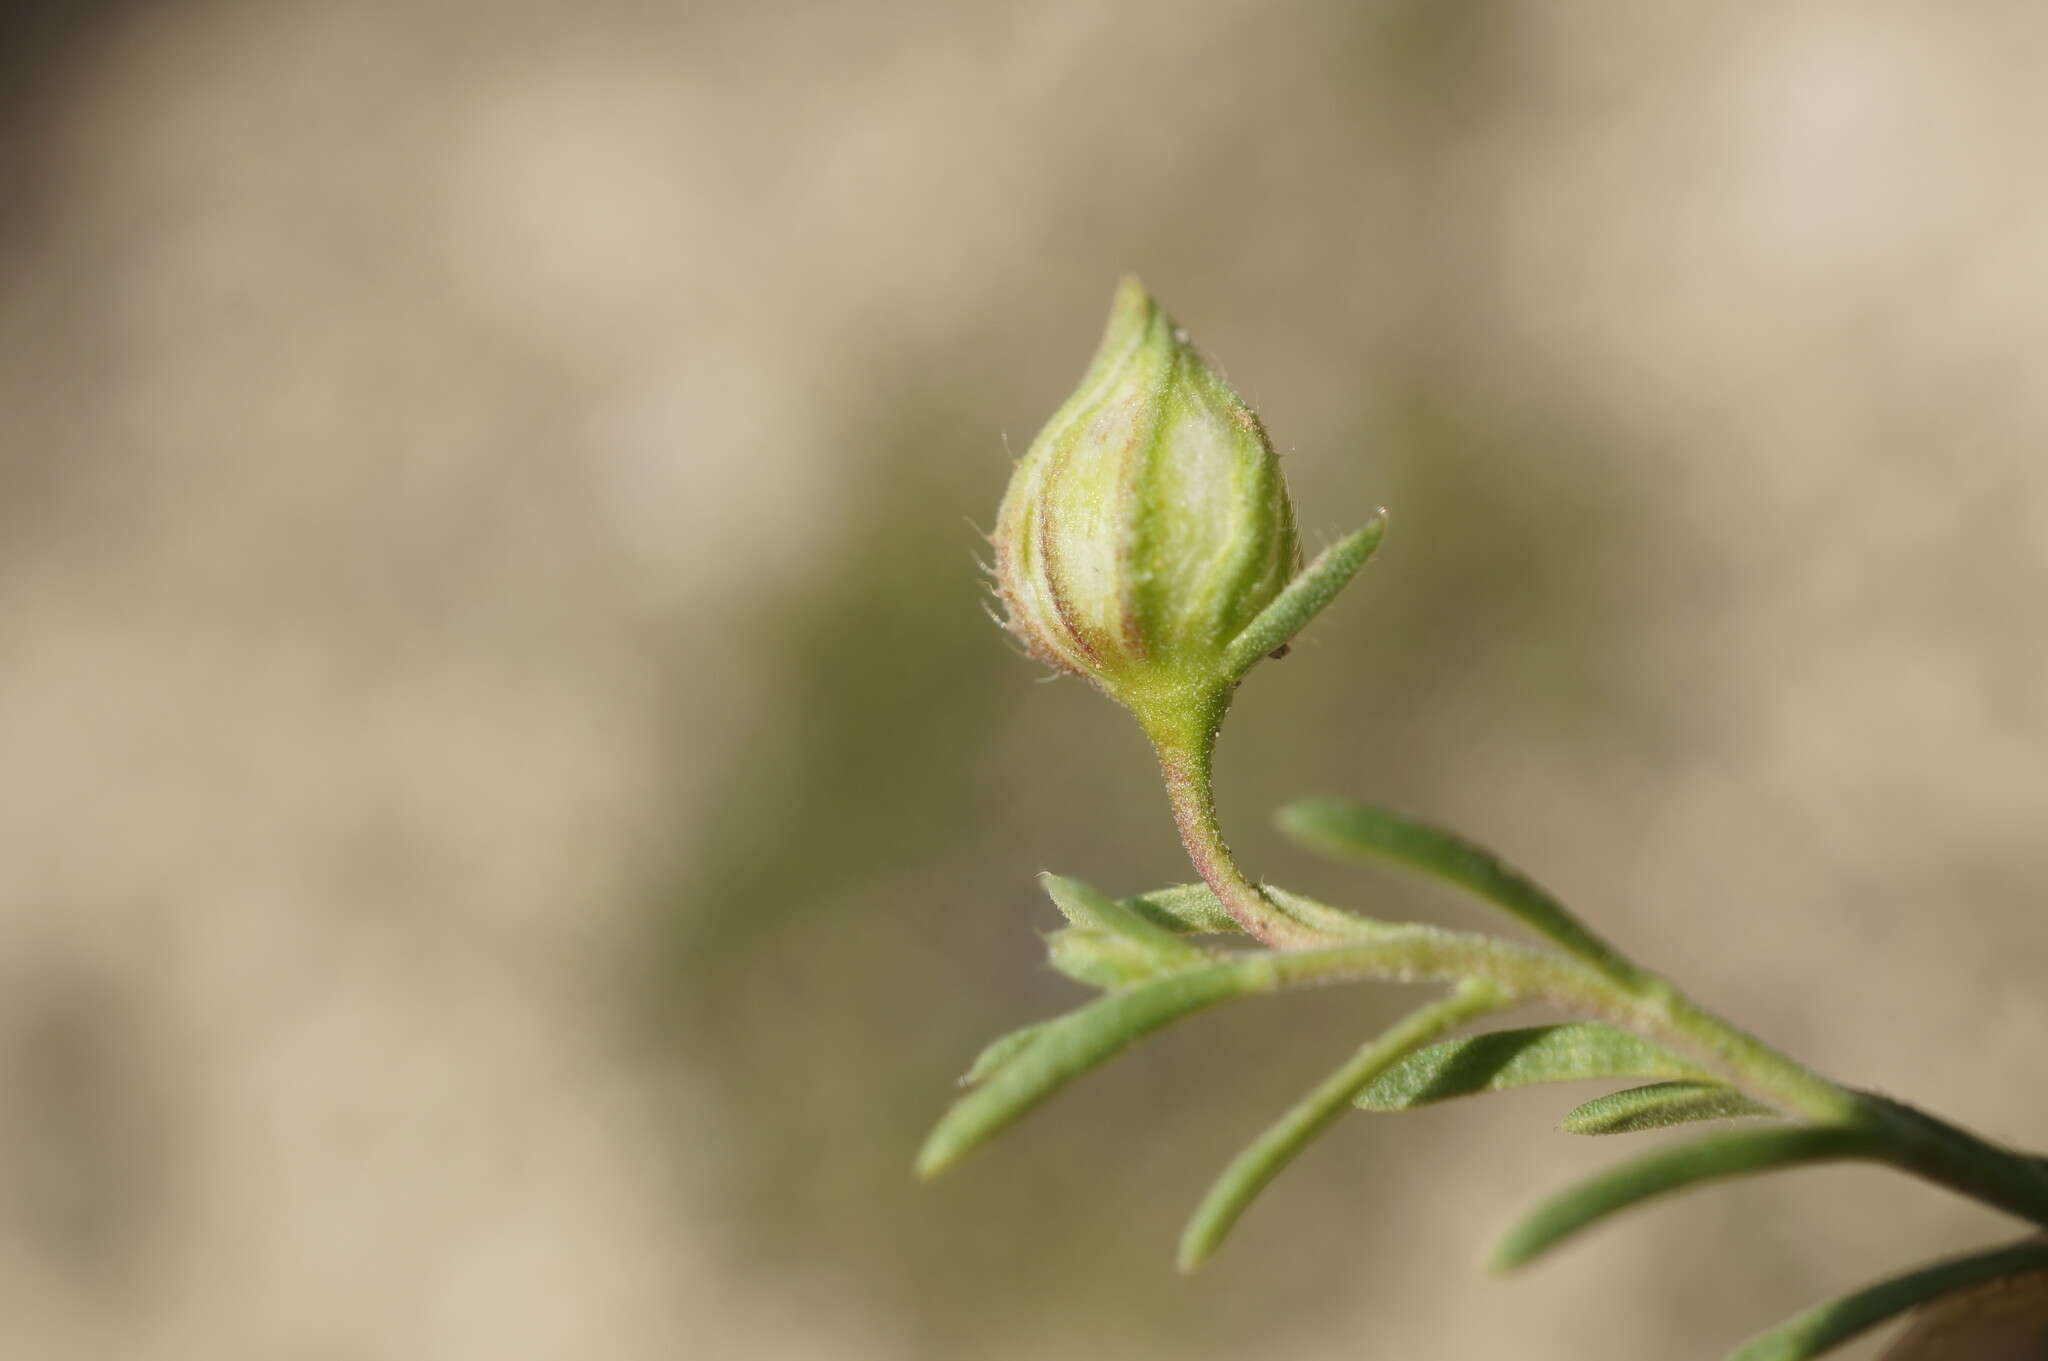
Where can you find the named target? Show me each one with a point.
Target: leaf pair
(1108, 944)
(1134, 949)
(1112, 943)
(1346, 830)
(1501, 1060)
(1575, 1051)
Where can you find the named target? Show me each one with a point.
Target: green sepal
(1346, 830)
(1303, 598)
(1251, 1171)
(1714, 1158)
(1503, 1059)
(1826, 1326)
(1659, 1106)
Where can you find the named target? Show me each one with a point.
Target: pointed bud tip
(1131, 295)
(1135, 319)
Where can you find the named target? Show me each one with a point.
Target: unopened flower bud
(1148, 524)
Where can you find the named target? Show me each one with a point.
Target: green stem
(1187, 749)
(1965, 1163)
(1748, 1064)
(1911, 1140)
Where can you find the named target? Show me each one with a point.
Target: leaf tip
(1507, 1254)
(942, 1148)
(933, 1161)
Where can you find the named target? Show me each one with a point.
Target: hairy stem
(1907, 1139)
(1186, 760)
(1912, 1141)
(1744, 1060)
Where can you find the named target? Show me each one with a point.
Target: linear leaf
(1185, 908)
(1072, 1044)
(1102, 959)
(1503, 1059)
(1193, 909)
(1258, 1164)
(1827, 1326)
(1659, 1105)
(1064, 1049)
(1714, 1158)
(1000, 1051)
(1303, 598)
(1347, 830)
(1086, 907)
(1334, 921)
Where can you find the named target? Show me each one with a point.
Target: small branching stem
(1907, 1139)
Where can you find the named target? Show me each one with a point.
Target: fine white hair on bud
(1148, 525)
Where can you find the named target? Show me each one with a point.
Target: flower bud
(1148, 524)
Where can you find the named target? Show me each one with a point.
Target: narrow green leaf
(1086, 907)
(1258, 1164)
(1354, 831)
(1102, 959)
(1000, 1051)
(1334, 921)
(1313, 587)
(1502, 1059)
(1189, 909)
(1072, 1044)
(1659, 1105)
(1065, 1048)
(1192, 909)
(1827, 1326)
(1714, 1158)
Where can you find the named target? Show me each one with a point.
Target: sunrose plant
(1148, 545)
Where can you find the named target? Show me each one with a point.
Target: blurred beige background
(514, 816)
